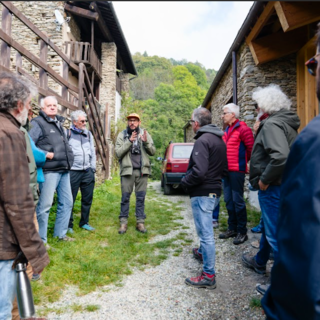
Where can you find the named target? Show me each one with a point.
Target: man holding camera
(133, 146)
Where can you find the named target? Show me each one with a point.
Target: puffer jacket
(239, 140)
(123, 154)
(83, 149)
(272, 145)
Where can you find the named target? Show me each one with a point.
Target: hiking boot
(250, 262)
(215, 224)
(205, 280)
(140, 227)
(197, 255)
(66, 238)
(240, 238)
(262, 288)
(123, 228)
(228, 234)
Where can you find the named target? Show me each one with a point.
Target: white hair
(232, 108)
(76, 114)
(42, 100)
(271, 99)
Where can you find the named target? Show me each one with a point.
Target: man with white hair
(272, 144)
(49, 135)
(83, 168)
(239, 140)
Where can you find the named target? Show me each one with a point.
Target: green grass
(104, 257)
(255, 302)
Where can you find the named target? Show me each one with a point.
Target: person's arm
(39, 155)
(93, 153)
(17, 199)
(148, 143)
(248, 140)
(122, 146)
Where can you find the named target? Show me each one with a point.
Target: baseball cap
(133, 115)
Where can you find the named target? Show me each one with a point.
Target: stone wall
(125, 85)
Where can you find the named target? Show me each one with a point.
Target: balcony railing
(82, 52)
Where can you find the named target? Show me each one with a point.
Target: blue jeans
(7, 288)
(202, 208)
(61, 183)
(215, 213)
(269, 202)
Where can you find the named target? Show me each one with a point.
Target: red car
(175, 165)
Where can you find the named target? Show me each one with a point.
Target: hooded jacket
(271, 147)
(208, 161)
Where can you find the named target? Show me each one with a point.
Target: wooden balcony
(82, 52)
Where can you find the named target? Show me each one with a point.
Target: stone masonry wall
(125, 85)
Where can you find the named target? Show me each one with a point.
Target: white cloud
(196, 31)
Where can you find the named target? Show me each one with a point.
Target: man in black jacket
(203, 183)
(49, 135)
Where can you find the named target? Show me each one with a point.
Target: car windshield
(182, 152)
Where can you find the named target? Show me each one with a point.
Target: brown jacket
(17, 229)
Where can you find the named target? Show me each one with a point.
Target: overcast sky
(195, 31)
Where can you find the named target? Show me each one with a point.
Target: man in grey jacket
(82, 173)
(133, 146)
(270, 151)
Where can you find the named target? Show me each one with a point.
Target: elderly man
(239, 140)
(83, 168)
(203, 183)
(49, 135)
(269, 155)
(133, 146)
(17, 228)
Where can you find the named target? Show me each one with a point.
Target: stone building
(272, 46)
(80, 32)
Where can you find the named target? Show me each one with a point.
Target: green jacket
(271, 148)
(123, 154)
(32, 167)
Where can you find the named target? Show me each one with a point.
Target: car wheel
(162, 181)
(167, 189)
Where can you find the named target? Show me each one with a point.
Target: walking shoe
(257, 229)
(87, 227)
(250, 262)
(228, 234)
(66, 238)
(35, 277)
(205, 280)
(240, 238)
(70, 230)
(262, 288)
(215, 224)
(197, 255)
(140, 227)
(123, 228)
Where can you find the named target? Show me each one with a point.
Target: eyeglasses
(312, 64)
(83, 121)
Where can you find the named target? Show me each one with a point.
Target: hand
(256, 127)
(263, 186)
(144, 136)
(134, 136)
(49, 155)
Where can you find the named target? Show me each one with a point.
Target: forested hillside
(164, 94)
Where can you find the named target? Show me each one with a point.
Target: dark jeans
(215, 213)
(269, 202)
(85, 181)
(233, 185)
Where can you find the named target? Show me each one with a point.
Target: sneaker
(215, 224)
(87, 227)
(262, 288)
(240, 238)
(257, 229)
(197, 255)
(66, 238)
(228, 234)
(250, 262)
(70, 230)
(203, 281)
(35, 277)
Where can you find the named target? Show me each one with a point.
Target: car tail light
(169, 167)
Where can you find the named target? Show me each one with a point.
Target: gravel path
(160, 292)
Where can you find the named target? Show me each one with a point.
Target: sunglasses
(312, 64)
(83, 121)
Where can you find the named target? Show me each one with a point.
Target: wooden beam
(6, 27)
(81, 12)
(277, 45)
(262, 20)
(294, 15)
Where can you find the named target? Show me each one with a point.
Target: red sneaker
(205, 280)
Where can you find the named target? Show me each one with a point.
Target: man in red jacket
(239, 140)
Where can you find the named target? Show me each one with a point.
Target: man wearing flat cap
(133, 146)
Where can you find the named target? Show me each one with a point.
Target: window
(181, 152)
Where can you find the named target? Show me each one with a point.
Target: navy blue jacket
(295, 278)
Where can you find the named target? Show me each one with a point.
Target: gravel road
(160, 292)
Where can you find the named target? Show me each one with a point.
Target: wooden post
(6, 27)
(81, 84)
(64, 89)
(43, 77)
